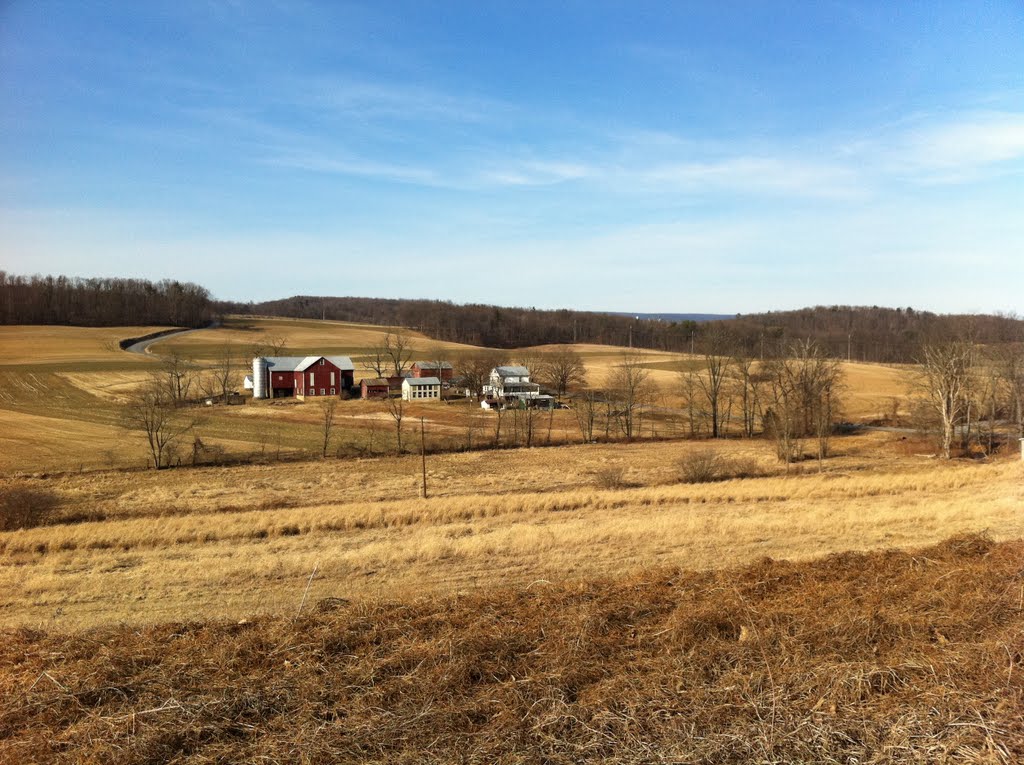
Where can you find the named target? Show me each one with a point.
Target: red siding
(298, 382)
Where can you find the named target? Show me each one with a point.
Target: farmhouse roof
(301, 363)
(512, 371)
(414, 381)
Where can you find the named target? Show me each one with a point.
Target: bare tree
(746, 386)
(390, 357)
(585, 408)
(152, 412)
(474, 368)
(944, 378)
(692, 396)
(223, 373)
(398, 348)
(327, 411)
(177, 374)
(630, 383)
(378, 361)
(271, 345)
(1009, 361)
(712, 381)
(561, 369)
(396, 408)
(804, 399)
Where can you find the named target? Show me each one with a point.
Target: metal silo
(260, 378)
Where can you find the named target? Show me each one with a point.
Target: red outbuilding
(439, 369)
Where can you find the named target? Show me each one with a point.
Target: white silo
(260, 378)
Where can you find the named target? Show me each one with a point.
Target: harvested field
(300, 337)
(46, 344)
(895, 657)
(79, 377)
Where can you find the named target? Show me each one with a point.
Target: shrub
(24, 507)
(708, 466)
(611, 477)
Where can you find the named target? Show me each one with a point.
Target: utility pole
(423, 457)
(849, 346)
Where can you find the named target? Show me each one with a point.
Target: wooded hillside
(863, 333)
(102, 302)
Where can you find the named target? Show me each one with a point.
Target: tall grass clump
(709, 466)
(25, 507)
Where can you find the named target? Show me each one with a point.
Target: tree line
(857, 333)
(102, 302)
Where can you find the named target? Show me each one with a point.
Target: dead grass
(300, 337)
(47, 344)
(77, 378)
(229, 541)
(889, 657)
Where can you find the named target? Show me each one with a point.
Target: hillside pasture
(69, 347)
(227, 542)
(300, 337)
(80, 376)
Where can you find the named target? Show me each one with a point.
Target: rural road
(143, 345)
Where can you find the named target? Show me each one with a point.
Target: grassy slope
(888, 657)
(78, 377)
(215, 542)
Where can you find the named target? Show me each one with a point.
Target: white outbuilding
(421, 389)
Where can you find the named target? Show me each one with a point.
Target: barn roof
(301, 363)
(374, 381)
(414, 381)
(432, 365)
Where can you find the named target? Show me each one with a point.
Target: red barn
(439, 369)
(301, 376)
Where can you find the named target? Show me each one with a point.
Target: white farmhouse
(511, 383)
(421, 389)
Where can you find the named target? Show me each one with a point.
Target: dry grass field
(300, 338)
(68, 346)
(897, 657)
(220, 542)
(77, 378)
(562, 604)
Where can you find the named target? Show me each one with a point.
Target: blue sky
(675, 156)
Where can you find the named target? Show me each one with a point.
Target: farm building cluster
(301, 377)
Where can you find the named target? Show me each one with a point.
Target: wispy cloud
(965, 146)
(355, 166)
(368, 99)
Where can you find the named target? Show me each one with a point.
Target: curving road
(143, 345)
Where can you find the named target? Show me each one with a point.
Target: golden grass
(887, 657)
(79, 376)
(23, 344)
(300, 337)
(200, 550)
(870, 389)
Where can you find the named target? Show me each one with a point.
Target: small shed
(376, 387)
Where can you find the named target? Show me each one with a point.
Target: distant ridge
(677, 316)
